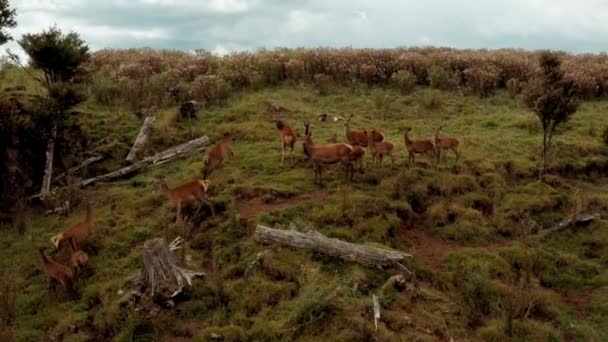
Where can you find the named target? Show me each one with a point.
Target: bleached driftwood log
(48, 166)
(161, 271)
(160, 158)
(142, 138)
(376, 310)
(313, 240)
(580, 220)
(78, 167)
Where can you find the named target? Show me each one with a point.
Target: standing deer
(327, 154)
(422, 146)
(288, 138)
(359, 137)
(216, 156)
(78, 232)
(57, 272)
(187, 193)
(357, 156)
(444, 143)
(379, 149)
(78, 258)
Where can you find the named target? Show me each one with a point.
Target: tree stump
(162, 275)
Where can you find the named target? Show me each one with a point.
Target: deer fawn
(288, 137)
(379, 149)
(444, 143)
(359, 137)
(216, 156)
(422, 146)
(327, 154)
(79, 232)
(187, 193)
(57, 272)
(357, 156)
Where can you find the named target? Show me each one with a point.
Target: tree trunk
(160, 158)
(79, 167)
(161, 273)
(48, 166)
(142, 138)
(313, 240)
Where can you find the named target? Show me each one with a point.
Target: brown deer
(216, 156)
(187, 193)
(288, 137)
(78, 258)
(359, 137)
(444, 143)
(379, 149)
(422, 146)
(357, 156)
(327, 154)
(57, 272)
(78, 232)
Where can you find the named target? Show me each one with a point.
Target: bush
(212, 90)
(431, 99)
(514, 87)
(605, 135)
(405, 81)
(322, 83)
(296, 70)
(438, 77)
(481, 80)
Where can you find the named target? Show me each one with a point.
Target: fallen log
(376, 311)
(48, 165)
(160, 158)
(142, 138)
(580, 220)
(313, 240)
(78, 167)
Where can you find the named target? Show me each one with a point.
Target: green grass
(488, 201)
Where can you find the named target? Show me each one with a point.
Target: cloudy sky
(227, 25)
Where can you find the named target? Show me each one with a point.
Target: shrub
(431, 99)
(438, 77)
(322, 83)
(296, 70)
(605, 135)
(481, 80)
(405, 81)
(211, 90)
(513, 87)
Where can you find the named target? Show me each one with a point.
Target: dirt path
(259, 201)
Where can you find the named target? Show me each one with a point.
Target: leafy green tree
(7, 20)
(552, 98)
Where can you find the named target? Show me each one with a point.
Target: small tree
(7, 20)
(552, 98)
(61, 58)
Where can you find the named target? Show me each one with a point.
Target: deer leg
(208, 202)
(52, 283)
(283, 154)
(456, 153)
(179, 212)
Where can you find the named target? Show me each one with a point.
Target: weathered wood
(142, 138)
(161, 270)
(160, 158)
(48, 166)
(313, 240)
(73, 170)
(376, 310)
(580, 220)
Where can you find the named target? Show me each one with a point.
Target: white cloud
(214, 5)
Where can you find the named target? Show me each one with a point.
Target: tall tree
(553, 99)
(7, 20)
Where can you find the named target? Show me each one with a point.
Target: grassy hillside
(484, 272)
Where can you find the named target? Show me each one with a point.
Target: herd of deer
(350, 154)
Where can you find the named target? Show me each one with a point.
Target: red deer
(327, 154)
(187, 193)
(357, 156)
(288, 137)
(216, 156)
(421, 146)
(78, 232)
(359, 137)
(57, 272)
(379, 150)
(444, 143)
(78, 258)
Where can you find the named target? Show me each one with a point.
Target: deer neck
(280, 124)
(43, 257)
(407, 140)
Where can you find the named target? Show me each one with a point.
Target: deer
(357, 156)
(78, 232)
(379, 149)
(444, 143)
(414, 147)
(57, 272)
(326, 154)
(78, 258)
(216, 156)
(359, 137)
(288, 137)
(187, 193)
